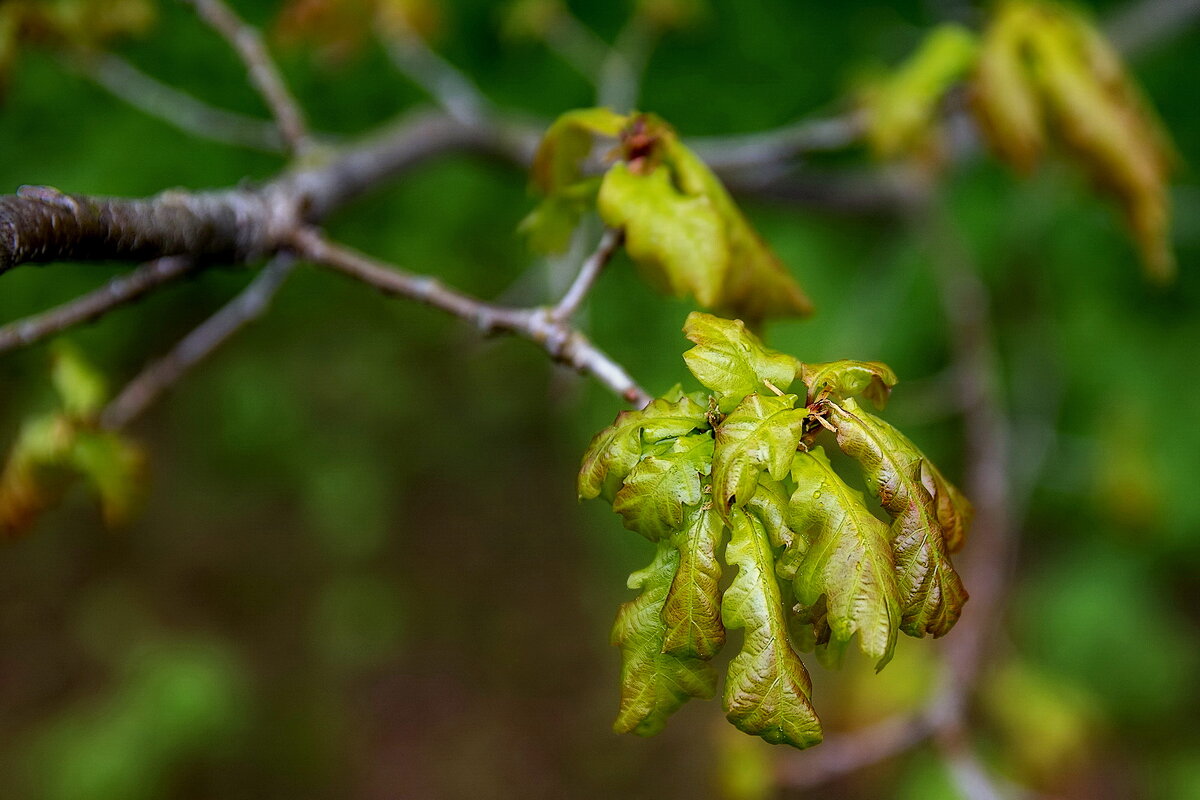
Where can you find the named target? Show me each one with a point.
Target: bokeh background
(361, 571)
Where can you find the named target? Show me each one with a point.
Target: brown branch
(119, 291)
(563, 343)
(264, 75)
(162, 374)
(573, 298)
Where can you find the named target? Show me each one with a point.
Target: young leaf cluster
(733, 477)
(680, 225)
(54, 450)
(78, 24)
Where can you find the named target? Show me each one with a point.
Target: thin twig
(450, 88)
(563, 343)
(148, 94)
(165, 372)
(93, 305)
(588, 273)
(823, 134)
(577, 45)
(619, 82)
(264, 75)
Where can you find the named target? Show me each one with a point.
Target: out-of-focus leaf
(931, 593)
(81, 387)
(732, 362)
(841, 379)
(658, 487)
(849, 561)
(558, 159)
(761, 433)
(901, 108)
(673, 14)
(530, 19)
(693, 607)
(677, 240)
(653, 683)
(340, 28)
(614, 450)
(1003, 98)
(757, 285)
(768, 689)
(36, 474)
(549, 226)
(113, 466)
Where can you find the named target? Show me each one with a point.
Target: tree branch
(264, 75)
(160, 375)
(450, 88)
(148, 94)
(563, 343)
(93, 305)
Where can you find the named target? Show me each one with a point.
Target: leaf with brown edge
(931, 592)
(760, 434)
(850, 560)
(732, 362)
(678, 241)
(613, 451)
(654, 684)
(768, 690)
(658, 487)
(841, 379)
(37, 472)
(693, 608)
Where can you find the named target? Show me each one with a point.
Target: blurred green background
(361, 570)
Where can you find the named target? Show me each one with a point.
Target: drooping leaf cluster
(680, 225)
(1040, 76)
(1046, 75)
(735, 477)
(54, 450)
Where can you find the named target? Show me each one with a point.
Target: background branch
(146, 93)
(141, 392)
(264, 75)
(119, 291)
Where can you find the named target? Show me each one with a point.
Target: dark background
(361, 570)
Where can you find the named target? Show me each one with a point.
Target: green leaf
(850, 560)
(756, 285)
(770, 504)
(653, 683)
(931, 593)
(731, 361)
(761, 433)
(768, 689)
(614, 450)
(559, 157)
(693, 607)
(658, 487)
(841, 379)
(81, 387)
(36, 474)
(678, 241)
